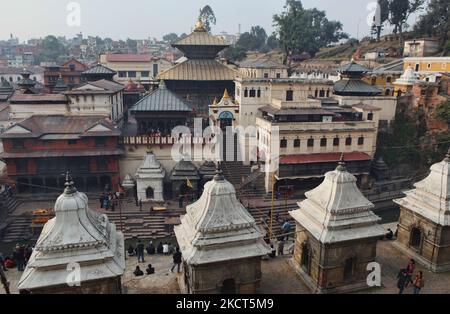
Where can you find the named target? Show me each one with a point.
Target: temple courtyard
(277, 276)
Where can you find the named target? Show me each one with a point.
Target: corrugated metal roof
(353, 67)
(161, 99)
(199, 70)
(355, 86)
(99, 69)
(262, 64)
(201, 38)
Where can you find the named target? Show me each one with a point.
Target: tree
(208, 17)
(443, 112)
(381, 16)
(234, 54)
(52, 50)
(260, 36)
(132, 45)
(436, 21)
(305, 30)
(399, 12)
(170, 38)
(272, 42)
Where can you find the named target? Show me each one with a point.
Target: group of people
(109, 200)
(19, 258)
(405, 278)
(161, 249)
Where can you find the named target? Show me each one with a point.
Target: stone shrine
(79, 251)
(336, 235)
(220, 242)
(150, 180)
(424, 226)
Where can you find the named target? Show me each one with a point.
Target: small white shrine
(150, 180)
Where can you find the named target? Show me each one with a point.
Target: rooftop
(99, 69)
(261, 64)
(199, 70)
(130, 58)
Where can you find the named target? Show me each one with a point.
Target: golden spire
(200, 26)
(226, 95)
(215, 101)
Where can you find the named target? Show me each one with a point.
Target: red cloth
(10, 263)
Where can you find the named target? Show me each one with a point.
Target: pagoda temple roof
(199, 70)
(352, 67)
(355, 87)
(99, 69)
(162, 99)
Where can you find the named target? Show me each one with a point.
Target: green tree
(208, 17)
(399, 12)
(443, 112)
(236, 53)
(272, 42)
(435, 21)
(305, 30)
(52, 50)
(132, 45)
(170, 38)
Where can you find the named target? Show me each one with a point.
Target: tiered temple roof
(150, 168)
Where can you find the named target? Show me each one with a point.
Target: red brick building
(38, 150)
(69, 71)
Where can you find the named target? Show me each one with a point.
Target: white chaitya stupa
(424, 225)
(78, 251)
(336, 234)
(150, 180)
(220, 242)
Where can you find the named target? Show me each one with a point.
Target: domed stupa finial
(341, 165)
(219, 174)
(199, 26)
(70, 185)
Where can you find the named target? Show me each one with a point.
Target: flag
(189, 183)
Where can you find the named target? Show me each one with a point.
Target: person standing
(140, 251)
(19, 258)
(166, 248)
(418, 283)
(401, 280)
(176, 260)
(410, 271)
(281, 246)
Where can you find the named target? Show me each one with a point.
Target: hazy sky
(140, 19)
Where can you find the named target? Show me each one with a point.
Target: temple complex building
(200, 77)
(428, 65)
(70, 72)
(336, 235)
(220, 243)
(39, 149)
(352, 89)
(78, 252)
(384, 76)
(309, 138)
(424, 226)
(224, 113)
(185, 179)
(98, 72)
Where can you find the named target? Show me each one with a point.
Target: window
(417, 68)
(370, 116)
(266, 75)
(336, 141)
(348, 141)
(259, 93)
(21, 165)
(100, 142)
(389, 79)
(361, 140)
(252, 93)
(373, 81)
(328, 93)
(122, 74)
(289, 95)
(155, 69)
(131, 73)
(323, 142)
(71, 78)
(72, 67)
(316, 93)
(17, 144)
(322, 93)
(311, 142)
(246, 92)
(429, 66)
(145, 74)
(73, 142)
(283, 143)
(278, 75)
(297, 143)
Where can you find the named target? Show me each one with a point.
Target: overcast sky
(140, 19)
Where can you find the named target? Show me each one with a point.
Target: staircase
(18, 229)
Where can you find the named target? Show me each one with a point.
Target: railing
(164, 140)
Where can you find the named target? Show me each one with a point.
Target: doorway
(228, 287)
(416, 238)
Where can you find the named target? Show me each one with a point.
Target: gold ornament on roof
(200, 26)
(226, 95)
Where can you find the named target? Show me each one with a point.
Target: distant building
(424, 225)
(39, 149)
(262, 68)
(384, 76)
(97, 98)
(76, 236)
(70, 71)
(220, 243)
(428, 65)
(424, 47)
(14, 74)
(336, 235)
(144, 68)
(98, 72)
